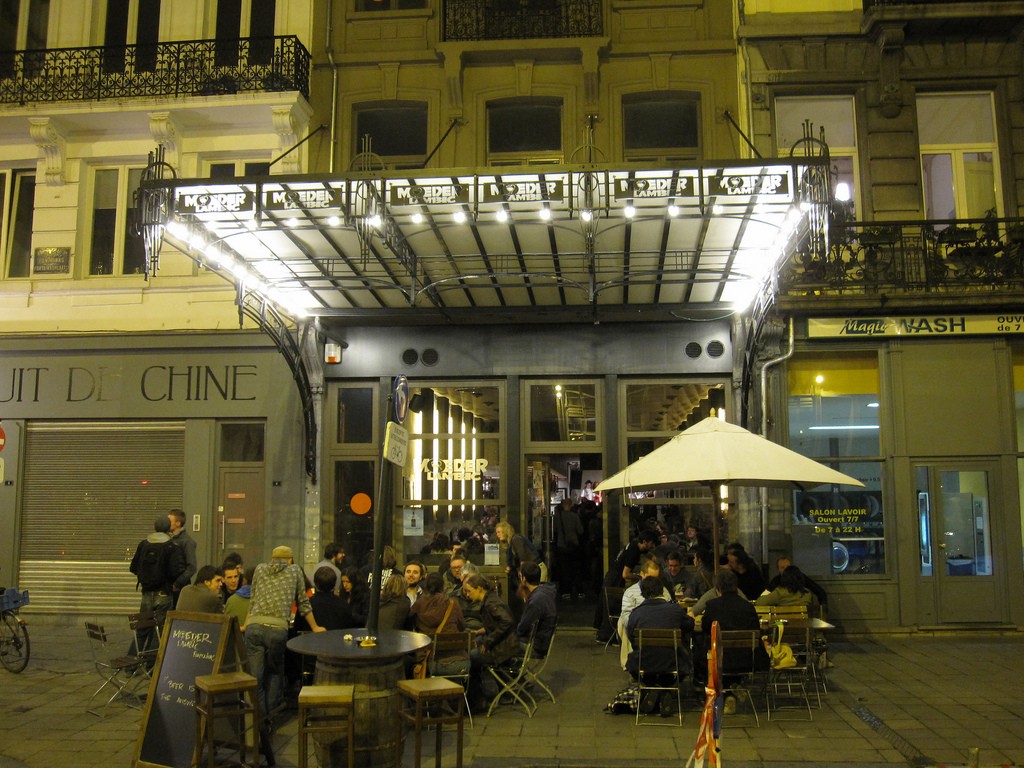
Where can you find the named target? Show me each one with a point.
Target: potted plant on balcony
(958, 235)
(882, 235)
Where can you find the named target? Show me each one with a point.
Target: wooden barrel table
(375, 672)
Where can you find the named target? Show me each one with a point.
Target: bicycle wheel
(13, 643)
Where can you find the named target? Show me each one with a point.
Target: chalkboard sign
(193, 644)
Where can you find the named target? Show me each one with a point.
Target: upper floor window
(524, 131)
(662, 127)
(17, 203)
(240, 19)
(958, 150)
(389, 5)
(23, 27)
(237, 168)
(834, 114)
(131, 22)
(396, 131)
(116, 249)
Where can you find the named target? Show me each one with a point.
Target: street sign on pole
(396, 443)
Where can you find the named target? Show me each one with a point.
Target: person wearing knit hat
(276, 586)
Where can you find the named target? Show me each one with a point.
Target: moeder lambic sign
(213, 202)
(308, 199)
(521, 191)
(428, 194)
(914, 325)
(746, 184)
(655, 187)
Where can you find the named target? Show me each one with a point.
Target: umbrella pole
(716, 507)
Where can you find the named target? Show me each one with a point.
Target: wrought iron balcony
(912, 258)
(467, 20)
(186, 68)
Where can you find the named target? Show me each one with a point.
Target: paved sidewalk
(918, 701)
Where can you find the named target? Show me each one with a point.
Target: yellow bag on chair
(780, 654)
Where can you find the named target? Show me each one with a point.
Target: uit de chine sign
(914, 325)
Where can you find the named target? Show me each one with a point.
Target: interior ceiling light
(673, 210)
(545, 214)
(629, 211)
(501, 215)
(586, 215)
(417, 218)
(334, 221)
(292, 222)
(459, 217)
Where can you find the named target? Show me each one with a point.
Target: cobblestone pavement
(895, 700)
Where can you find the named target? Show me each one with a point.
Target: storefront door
(240, 513)
(955, 538)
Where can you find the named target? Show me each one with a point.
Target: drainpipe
(764, 433)
(329, 50)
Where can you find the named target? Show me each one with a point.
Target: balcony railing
(467, 20)
(187, 68)
(913, 257)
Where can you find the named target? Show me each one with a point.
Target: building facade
(883, 340)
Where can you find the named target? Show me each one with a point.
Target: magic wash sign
(914, 325)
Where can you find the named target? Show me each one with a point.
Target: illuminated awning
(525, 244)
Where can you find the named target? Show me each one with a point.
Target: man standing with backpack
(157, 563)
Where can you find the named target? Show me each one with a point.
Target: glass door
(955, 541)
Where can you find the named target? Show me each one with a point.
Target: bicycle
(14, 647)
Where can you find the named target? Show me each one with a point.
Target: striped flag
(706, 752)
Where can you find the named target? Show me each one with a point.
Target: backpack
(151, 568)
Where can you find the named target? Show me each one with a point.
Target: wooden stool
(447, 698)
(241, 688)
(339, 715)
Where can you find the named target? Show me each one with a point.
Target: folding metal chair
(147, 636)
(511, 678)
(740, 648)
(447, 645)
(787, 687)
(536, 668)
(121, 673)
(612, 598)
(652, 645)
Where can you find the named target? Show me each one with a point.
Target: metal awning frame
(587, 237)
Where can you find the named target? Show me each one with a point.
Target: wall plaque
(51, 261)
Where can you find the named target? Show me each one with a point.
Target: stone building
(574, 227)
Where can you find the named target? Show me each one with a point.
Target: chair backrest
(144, 626)
(659, 638)
(655, 647)
(96, 632)
(741, 645)
(789, 611)
(451, 643)
(612, 597)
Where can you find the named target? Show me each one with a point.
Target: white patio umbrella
(713, 453)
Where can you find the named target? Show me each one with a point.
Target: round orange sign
(361, 503)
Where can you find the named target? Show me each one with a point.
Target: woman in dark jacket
(355, 592)
(429, 610)
(497, 641)
(393, 612)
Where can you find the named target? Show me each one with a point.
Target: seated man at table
(676, 572)
(632, 597)
(732, 611)
(657, 611)
(541, 609)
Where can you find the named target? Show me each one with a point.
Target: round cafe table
(375, 672)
